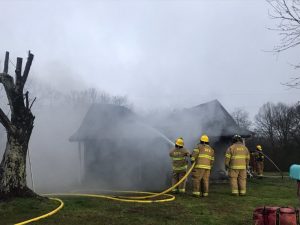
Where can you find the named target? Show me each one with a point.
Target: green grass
(220, 208)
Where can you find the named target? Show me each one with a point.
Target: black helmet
(237, 138)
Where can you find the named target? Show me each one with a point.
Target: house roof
(106, 121)
(217, 120)
(210, 118)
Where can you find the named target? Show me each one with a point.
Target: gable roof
(210, 118)
(107, 121)
(218, 120)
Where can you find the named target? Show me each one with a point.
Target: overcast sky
(158, 53)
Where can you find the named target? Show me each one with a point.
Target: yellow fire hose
(136, 199)
(45, 215)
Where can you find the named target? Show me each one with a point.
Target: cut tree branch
(18, 72)
(5, 70)
(27, 67)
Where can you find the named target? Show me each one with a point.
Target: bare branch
(9, 86)
(18, 72)
(27, 67)
(286, 12)
(5, 70)
(7, 81)
(32, 103)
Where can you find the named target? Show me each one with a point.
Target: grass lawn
(219, 208)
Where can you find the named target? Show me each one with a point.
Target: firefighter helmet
(258, 147)
(179, 142)
(236, 138)
(204, 138)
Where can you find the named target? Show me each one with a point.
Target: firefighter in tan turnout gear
(203, 155)
(237, 160)
(259, 161)
(179, 157)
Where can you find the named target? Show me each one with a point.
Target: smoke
(159, 54)
(190, 123)
(54, 159)
(128, 156)
(120, 149)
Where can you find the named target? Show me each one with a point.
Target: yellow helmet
(204, 138)
(180, 142)
(258, 147)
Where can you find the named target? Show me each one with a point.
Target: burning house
(118, 149)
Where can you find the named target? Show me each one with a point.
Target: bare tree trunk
(19, 128)
(13, 170)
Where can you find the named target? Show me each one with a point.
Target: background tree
(277, 128)
(241, 117)
(91, 96)
(18, 127)
(265, 125)
(287, 13)
(296, 130)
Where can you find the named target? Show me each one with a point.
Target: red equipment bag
(276, 216)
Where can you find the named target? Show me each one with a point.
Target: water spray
(159, 133)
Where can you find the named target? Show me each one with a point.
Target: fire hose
(148, 198)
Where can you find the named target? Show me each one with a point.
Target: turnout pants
(238, 180)
(177, 175)
(253, 165)
(260, 168)
(200, 179)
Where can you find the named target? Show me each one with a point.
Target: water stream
(159, 133)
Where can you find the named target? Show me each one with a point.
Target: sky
(161, 54)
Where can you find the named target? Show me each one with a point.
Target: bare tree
(277, 123)
(296, 130)
(91, 95)
(284, 120)
(287, 13)
(241, 117)
(18, 127)
(265, 125)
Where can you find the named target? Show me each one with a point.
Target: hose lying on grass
(45, 215)
(150, 197)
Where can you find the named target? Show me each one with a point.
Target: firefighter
(179, 157)
(237, 161)
(259, 161)
(203, 155)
